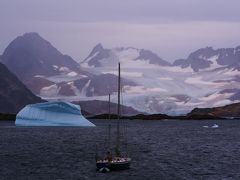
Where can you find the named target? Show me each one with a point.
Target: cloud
(170, 28)
(128, 11)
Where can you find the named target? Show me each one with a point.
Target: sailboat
(118, 161)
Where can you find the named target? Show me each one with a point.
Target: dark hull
(113, 166)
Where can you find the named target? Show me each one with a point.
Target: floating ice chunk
(215, 126)
(58, 113)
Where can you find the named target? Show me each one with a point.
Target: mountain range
(206, 78)
(209, 59)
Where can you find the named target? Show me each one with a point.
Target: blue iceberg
(57, 113)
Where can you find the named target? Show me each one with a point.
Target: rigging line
(105, 145)
(124, 123)
(122, 113)
(109, 123)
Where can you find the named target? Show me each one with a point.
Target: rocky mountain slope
(232, 110)
(38, 55)
(209, 58)
(102, 57)
(50, 74)
(13, 94)
(96, 107)
(32, 59)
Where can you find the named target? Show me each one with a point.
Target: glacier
(56, 113)
(204, 79)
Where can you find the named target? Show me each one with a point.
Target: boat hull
(113, 166)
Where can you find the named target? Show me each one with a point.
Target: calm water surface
(159, 150)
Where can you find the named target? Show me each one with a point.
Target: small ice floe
(213, 126)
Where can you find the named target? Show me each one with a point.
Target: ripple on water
(159, 150)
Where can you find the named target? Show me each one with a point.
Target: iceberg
(57, 113)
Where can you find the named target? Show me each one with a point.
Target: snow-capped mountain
(84, 87)
(50, 74)
(207, 78)
(101, 57)
(39, 65)
(209, 59)
(39, 56)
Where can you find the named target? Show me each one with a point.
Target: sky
(170, 28)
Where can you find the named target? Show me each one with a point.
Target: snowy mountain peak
(209, 59)
(32, 35)
(97, 48)
(38, 55)
(97, 54)
(152, 57)
(130, 56)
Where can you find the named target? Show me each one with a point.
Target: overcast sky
(171, 28)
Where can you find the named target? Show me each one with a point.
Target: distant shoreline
(164, 117)
(12, 117)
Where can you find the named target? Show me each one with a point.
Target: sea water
(159, 150)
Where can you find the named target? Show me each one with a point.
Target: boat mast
(109, 125)
(118, 110)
